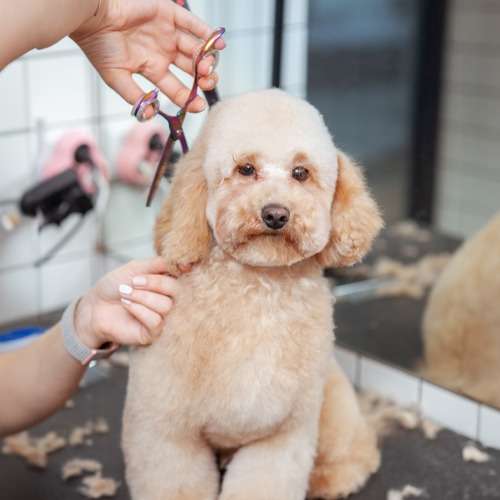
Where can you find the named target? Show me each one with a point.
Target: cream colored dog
(244, 368)
(462, 319)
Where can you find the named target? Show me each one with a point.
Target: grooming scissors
(174, 121)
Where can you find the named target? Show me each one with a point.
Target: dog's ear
(355, 215)
(182, 235)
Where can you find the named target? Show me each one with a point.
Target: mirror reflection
(425, 299)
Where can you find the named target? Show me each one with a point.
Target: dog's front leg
(170, 469)
(275, 468)
(347, 445)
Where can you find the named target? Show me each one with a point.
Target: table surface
(408, 458)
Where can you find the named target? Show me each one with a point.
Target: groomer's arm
(119, 37)
(127, 306)
(30, 24)
(35, 381)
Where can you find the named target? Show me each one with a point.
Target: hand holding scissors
(148, 106)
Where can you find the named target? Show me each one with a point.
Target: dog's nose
(275, 216)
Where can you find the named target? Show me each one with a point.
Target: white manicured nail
(139, 280)
(126, 302)
(210, 69)
(125, 289)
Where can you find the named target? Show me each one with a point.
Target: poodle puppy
(461, 326)
(244, 369)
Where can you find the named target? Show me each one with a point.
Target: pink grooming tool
(141, 147)
(62, 158)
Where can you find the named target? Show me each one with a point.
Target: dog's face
(272, 179)
(268, 210)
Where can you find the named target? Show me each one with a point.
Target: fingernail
(139, 280)
(210, 69)
(125, 289)
(126, 301)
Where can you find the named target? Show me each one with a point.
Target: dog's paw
(339, 480)
(178, 268)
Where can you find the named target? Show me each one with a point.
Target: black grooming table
(408, 458)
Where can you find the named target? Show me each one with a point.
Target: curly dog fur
(461, 326)
(245, 367)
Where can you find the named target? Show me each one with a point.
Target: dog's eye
(300, 173)
(246, 169)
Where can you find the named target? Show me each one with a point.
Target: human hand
(146, 37)
(127, 306)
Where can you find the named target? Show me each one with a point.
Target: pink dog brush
(140, 152)
(63, 157)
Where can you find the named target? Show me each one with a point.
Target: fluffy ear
(182, 235)
(356, 218)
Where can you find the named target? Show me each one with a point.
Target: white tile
(18, 292)
(474, 67)
(389, 382)
(57, 99)
(237, 15)
(206, 10)
(299, 90)
(294, 69)
(142, 250)
(475, 26)
(19, 246)
(111, 103)
(448, 221)
(449, 409)
(112, 262)
(245, 64)
(82, 243)
(64, 45)
(296, 11)
(193, 124)
(473, 153)
(15, 165)
(489, 427)
(111, 138)
(473, 221)
(348, 361)
(127, 218)
(14, 103)
(63, 281)
(470, 110)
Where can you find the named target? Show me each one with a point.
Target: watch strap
(75, 347)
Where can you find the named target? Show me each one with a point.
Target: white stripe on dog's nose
(272, 171)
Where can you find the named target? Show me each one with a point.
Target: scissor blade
(160, 170)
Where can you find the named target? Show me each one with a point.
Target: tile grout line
(478, 423)
(357, 374)
(420, 394)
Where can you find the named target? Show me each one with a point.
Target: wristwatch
(83, 354)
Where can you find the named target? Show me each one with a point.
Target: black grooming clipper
(56, 198)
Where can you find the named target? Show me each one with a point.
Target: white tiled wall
(56, 89)
(451, 410)
(469, 184)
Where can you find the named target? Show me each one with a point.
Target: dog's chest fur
(239, 347)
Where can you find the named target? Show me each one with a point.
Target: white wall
(469, 184)
(59, 86)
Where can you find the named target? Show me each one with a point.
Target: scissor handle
(148, 99)
(174, 122)
(206, 50)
